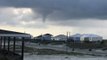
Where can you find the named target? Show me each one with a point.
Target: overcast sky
(54, 16)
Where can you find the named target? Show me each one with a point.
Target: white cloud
(23, 17)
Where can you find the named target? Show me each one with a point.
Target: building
(75, 37)
(91, 37)
(44, 37)
(38, 37)
(47, 36)
(85, 37)
(13, 34)
(60, 37)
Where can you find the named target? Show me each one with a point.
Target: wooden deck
(9, 53)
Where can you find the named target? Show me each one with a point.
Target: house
(85, 37)
(13, 34)
(91, 37)
(44, 37)
(47, 36)
(38, 37)
(75, 37)
(60, 37)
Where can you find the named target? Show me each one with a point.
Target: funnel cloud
(60, 15)
(62, 9)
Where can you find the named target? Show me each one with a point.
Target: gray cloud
(57, 12)
(63, 9)
(83, 16)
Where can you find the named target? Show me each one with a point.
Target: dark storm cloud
(62, 9)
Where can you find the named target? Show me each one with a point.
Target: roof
(10, 32)
(90, 35)
(60, 36)
(47, 34)
(76, 35)
(85, 35)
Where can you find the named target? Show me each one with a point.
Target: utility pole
(66, 42)
(68, 34)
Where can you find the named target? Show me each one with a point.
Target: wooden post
(14, 41)
(4, 46)
(22, 52)
(0, 42)
(8, 44)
